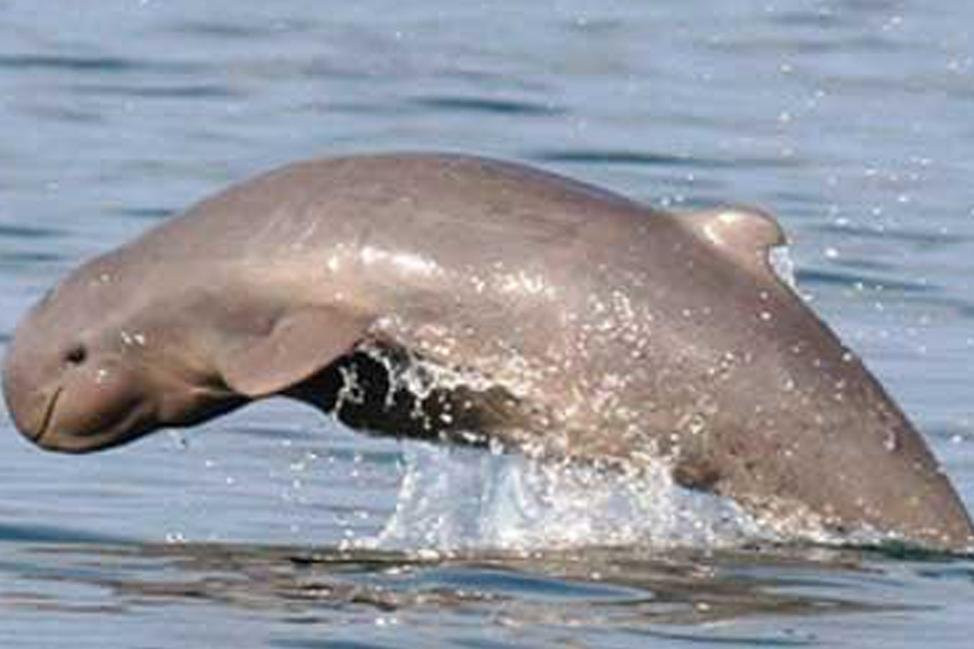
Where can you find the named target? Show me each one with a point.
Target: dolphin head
(95, 364)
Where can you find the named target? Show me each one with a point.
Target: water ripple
(925, 237)
(99, 64)
(188, 91)
(24, 231)
(486, 105)
(150, 213)
(51, 534)
(238, 31)
(803, 45)
(822, 277)
(18, 259)
(653, 159)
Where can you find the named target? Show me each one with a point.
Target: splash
(458, 499)
(783, 266)
(455, 498)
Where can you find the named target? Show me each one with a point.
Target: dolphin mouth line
(48, 415)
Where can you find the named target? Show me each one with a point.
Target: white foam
(456, 498)
(783, 266)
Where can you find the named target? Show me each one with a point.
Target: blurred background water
(852, 120)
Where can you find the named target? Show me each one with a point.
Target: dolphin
(477, 301)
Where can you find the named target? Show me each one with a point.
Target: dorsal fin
(744, 234)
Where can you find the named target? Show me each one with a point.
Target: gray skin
(574, 323)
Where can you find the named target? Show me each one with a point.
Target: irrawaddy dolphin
(470, 300)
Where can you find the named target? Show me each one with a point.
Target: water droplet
(891, 443)
(179, 440)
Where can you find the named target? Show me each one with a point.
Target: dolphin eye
(76, 355)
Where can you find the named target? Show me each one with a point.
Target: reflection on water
(588, 587)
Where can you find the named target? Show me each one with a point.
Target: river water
(852, 120)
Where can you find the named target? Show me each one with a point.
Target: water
(851, 120)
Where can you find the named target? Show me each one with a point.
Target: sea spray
(459, 498)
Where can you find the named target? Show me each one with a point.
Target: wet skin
(571, 322)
